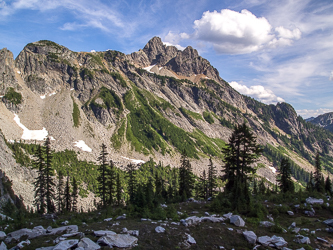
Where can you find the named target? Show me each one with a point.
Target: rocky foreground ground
(306, 225)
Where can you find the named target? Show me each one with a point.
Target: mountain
(324, 121)
(153, 103)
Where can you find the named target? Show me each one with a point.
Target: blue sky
(270, 50)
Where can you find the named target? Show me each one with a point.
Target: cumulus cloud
(173, 39)
(331, 76)
(259, 92)
(307, 113)
(233, 32)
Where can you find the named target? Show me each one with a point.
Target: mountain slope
(152, 103)
(324, 121)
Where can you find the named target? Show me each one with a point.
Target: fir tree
(285, 182)
(328, 185)
(255, 187)
(310, 185)
(118, 189)
(60, 192)
(49, 172)
(111, 182)
(102, 178)
(39, 183)
(203, 191)
(75, 195)
(239, 154)
(318, 183)
(67, 195)
(186, 180)
(212, 178)
(130, 169)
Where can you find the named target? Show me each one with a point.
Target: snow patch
(273, 169)
(160, 68)
(1, 96)
(39, 135)
(10, 141)
(42, 96)
(52, 93)
(80, 64)
(18, 72)
(72, 89)
(133, 160)
(149, 68)
(82, 145)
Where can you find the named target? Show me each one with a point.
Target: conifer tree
(285, 182)
(310, 185)
(328, 185)
(75, 195)
(60, 192)
(186, 180)
(118, 189)
(130, 169)
(67, 195)
(203, 191)
(111, 182)
(39, 163)
(239, 154)
(211, 182)
(49, 172)
(102, 178)
(318, 183)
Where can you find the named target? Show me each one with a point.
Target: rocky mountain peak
(7, 74)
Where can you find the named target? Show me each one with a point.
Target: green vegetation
(147, 129)
(13, 96)
(118, 136)
(97, 59)
(86, 74)
(76, 114)
(118, 78)
(208, 117)
(190, 114)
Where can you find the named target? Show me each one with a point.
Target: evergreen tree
(102, 178)
(262, 188)
(203, 191)
(284, 177)
(328, 185)
(212, 178)
(255, 187)
(111, 182)
(186, 179)
(39, 183)
(318, 183)
(60, 192)
(67, 195)
(239, 154)
(49, 172)
(118, 189)
(75, 195)
(130, 169)
(310, 185)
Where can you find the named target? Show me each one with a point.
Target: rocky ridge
(324, 121)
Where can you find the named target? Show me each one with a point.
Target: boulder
(312, 201)
(66, 244)
(2, 235)
(291, 213)
(59, 230)
(159, 229)
(88, 244)
(266, 224)
(228, 215)
(302, 239)
(190, 239)
(134, 232)
(237, 221)
(121, 217)
(118, 240)
(21, 244)
(264, 240)
(16, 235)
(278, 242)
(45, 248)
(108, 219)
(329, 222)
(212, 219)
(3, 246)
(193, 220)
(250, 236)
(100, 233)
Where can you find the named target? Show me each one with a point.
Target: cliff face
(140, 110)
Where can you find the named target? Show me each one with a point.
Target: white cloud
(242, 32)
(173, 39)
(331, 76)
(259, 92)
(307, 113)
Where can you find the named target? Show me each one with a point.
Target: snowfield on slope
(28, 134)
(82, 145)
